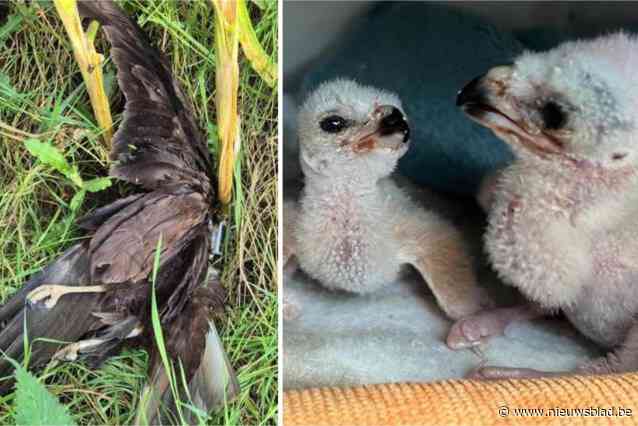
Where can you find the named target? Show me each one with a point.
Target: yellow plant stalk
(253, 50)
(227, 81)
(90, 63)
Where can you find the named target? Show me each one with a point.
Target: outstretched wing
(158, 142)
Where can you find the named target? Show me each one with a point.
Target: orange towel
(570, 400)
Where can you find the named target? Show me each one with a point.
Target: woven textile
(574, 400)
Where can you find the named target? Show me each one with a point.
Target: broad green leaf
(77, 200)
(97, 184)
(48, 154)
(35, 405)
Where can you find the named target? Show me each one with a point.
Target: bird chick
(563, 218)
(355, 228)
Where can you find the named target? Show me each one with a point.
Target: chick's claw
(477, 329)
(474, 330)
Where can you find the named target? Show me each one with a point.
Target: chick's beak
(487, 101)
(473, 93)
(394, 122)
(387, 128)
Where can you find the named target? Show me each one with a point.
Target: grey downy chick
(563, 218)
(354, 228)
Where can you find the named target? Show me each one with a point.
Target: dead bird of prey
(96, 297)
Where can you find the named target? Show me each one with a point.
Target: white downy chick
(563, 218)
(354, 228)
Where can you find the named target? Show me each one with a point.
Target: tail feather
(211, 387)
(194, 347)
(215, 381)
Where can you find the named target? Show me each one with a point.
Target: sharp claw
(67, 353)
(49, 294)
(476, 374)
(72, 351)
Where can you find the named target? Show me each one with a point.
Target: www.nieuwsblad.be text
(506, 411)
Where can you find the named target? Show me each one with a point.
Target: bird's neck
(356, 186)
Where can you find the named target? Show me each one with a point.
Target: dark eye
(333, 124)
(553, 116)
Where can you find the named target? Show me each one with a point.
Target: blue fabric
(426, 53)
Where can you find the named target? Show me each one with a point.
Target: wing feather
(158, 142)
(123, 248)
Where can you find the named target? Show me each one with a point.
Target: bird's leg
(496, 373)
(476, 329)
(440, 256)
(50, 293)
(623, 359)
(72, 351)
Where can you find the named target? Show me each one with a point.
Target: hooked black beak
(473, 93)
(486, 100)
(394, 122)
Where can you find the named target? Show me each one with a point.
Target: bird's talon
(46, 294)
(68, 353)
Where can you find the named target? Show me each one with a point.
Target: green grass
(41, 92)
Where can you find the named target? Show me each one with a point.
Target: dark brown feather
(123, 248)
(158, 141)
(195, 349)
